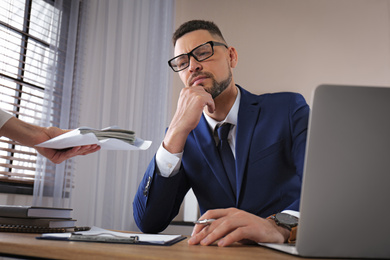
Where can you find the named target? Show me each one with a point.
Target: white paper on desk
(74, 138)
(96, 231)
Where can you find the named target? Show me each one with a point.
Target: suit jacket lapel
(208, 148)
(246, 122)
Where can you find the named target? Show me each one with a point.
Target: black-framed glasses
(200, 53)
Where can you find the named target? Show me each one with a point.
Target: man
(267, 133)
(30, 135)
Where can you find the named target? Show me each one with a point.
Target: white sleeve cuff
(168, 164)
(292, 213)
(4, 117)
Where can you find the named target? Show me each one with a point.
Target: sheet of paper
(74, 138)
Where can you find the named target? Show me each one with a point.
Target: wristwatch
(287, 221)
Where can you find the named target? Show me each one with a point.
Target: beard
(217, 87)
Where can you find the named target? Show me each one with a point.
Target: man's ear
(233, 56)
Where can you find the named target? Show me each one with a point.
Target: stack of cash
(121, 134)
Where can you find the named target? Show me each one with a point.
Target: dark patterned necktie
(226, 155)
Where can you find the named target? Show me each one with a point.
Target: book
(38, 222)
(33, 229)
(35, 212)
(96, 234)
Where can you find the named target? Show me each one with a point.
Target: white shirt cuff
(168, 164)
(4, 117)
(292, 212)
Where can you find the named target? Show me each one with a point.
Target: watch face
(286, 219)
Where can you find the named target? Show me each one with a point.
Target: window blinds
(33, 44)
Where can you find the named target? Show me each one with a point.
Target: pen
(204, 221)
(107, 239)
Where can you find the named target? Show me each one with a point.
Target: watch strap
(293, 235)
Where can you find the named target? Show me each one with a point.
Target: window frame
(24, 186)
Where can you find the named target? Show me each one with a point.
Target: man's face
(213, 74)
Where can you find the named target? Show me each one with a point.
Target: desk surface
(26, 245)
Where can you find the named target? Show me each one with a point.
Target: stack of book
(31, 219)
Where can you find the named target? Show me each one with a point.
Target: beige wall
(295, 45)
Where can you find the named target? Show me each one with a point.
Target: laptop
(345, 199)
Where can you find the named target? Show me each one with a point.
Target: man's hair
(194, 25)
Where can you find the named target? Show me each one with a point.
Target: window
(33, 55)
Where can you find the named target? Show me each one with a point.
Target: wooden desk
(26, 245)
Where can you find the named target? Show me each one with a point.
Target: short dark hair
(194, 25)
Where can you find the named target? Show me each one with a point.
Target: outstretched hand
(31, 135)
(58, 156)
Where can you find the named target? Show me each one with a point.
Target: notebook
(345, 199)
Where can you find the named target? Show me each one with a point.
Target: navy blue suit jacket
(270, 147)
